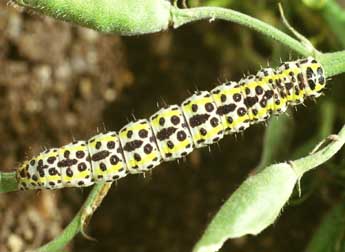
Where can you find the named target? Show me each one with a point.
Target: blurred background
(59, 82)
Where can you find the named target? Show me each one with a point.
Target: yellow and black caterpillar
(174, 131)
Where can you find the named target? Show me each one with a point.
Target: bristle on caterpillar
(174, 131)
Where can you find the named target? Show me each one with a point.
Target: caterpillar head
(315, 76)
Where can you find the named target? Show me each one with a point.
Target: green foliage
(251, 208)
(315, 4)
(330, 236)
(259, 200)
(333, 14)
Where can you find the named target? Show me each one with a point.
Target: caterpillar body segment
(74, 164)
(42, 170)
(274, 95)
(204, 123)
(229, 99)
(174, 131)
(255, 99)
(50, 169)
(291, 73)
(106, 156)
(139, 146)
(263, 91)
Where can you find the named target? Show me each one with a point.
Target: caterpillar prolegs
(174, 131)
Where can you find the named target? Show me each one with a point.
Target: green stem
(8, 182)
(311, 161)
(184, 16)
(277, 140)
(327, 117)
(74, 227)
(333, 63)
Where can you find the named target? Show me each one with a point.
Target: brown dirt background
(59, 82)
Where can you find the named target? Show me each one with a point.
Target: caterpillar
(174, 131)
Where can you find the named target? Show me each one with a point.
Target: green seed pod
(124, 17)
(251, 208)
